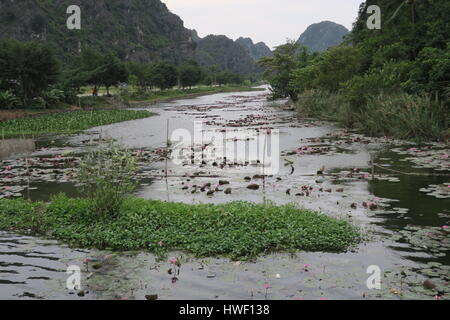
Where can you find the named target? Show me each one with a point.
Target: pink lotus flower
(446, 156)
(427, 234)
(305, 267)
(174, 261)
(438, 297)
(267, 286)
(86, 260)
(444, 227)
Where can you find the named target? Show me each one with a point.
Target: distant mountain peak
(320, 36)
(226, 53)
(256, 51)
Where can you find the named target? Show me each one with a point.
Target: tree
(164, 76)
(28, 68)
(190, 75)
(112, 72)
(413, 8)
(141, 74)
(211, 75)
(97, 69)
(337, 65)
(279, 67)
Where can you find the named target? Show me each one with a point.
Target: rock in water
(428, 284)
(253, 187)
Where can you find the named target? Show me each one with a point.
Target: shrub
(8, 100)
(337, 65)
(53, 96)
(107, 177)
(387, 80)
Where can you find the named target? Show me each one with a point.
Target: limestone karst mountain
(321, 36)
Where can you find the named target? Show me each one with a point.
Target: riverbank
(400, 116)
(142, 99)
(237, 230)
(124, 100)
(69, 122)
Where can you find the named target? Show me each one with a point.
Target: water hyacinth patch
(67, 122)
(238, 230)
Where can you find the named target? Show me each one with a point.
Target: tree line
(32, 77)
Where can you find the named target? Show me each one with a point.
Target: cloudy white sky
(271, 21)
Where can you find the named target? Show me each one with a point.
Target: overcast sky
(271, 21)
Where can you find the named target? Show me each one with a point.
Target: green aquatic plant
(238, 230)
(67, 122)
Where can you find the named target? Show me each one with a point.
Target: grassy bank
(123, 99)
(66, 122)
(397, 115)
(139, 98)
(237, 230)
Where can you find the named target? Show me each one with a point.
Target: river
(403, 208)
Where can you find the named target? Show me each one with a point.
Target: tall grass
(318, 104)
(399, 115)
(403, 115)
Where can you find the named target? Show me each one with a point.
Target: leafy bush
(335, 66)
(8, 100)
(386, 80)
(53, 96)
(107, 177)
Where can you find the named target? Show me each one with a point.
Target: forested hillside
(389, 82)
(225, 53)
(134, 30)
(140, 31)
